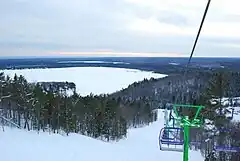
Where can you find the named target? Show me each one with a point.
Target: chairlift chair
(170, 139)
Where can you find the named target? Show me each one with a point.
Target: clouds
(186, 15)
(119, 25)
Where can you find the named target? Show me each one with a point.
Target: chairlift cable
(199, 31)
(197, 37)
(185, 157)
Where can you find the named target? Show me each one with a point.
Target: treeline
(177, 88)
(48, 106)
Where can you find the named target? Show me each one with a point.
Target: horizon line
(109, 53)
(112, 56)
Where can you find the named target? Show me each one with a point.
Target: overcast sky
(47, 27)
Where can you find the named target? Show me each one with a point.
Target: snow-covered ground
(96, 80)
(140, 145)
(236, 115)
(227, 103)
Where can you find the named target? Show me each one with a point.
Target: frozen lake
(96, 80)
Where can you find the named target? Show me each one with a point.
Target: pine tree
(213, 100)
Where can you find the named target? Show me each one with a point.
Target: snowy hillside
(97, 80)
(140, 145)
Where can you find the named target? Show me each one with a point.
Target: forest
(178, 88)
(57, 108)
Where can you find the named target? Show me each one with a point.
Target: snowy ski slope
(140, 145)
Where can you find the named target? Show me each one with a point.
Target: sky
(118, 27)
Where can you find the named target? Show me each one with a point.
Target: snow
(226, 102)
(95, 62)
(140, 145)
(174, 63)
(96, 80)
(236, 116)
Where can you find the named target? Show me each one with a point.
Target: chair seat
(170, 142)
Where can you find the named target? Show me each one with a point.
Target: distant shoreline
(162, 65)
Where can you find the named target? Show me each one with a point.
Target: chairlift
(170, 139)
(169, 119)
(185, 122)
